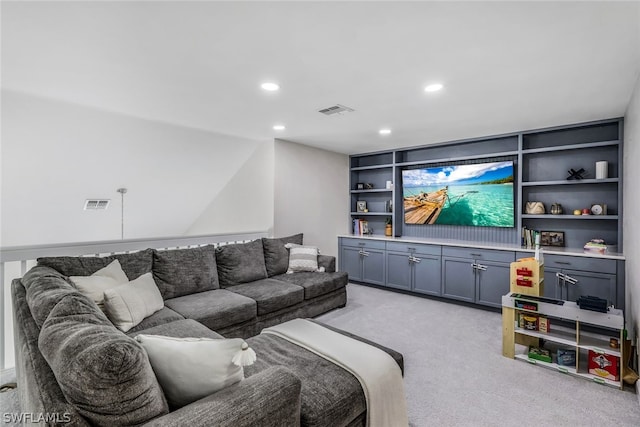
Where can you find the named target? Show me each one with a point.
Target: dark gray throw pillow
(105, 374)
(185, 271)
(45, 287)
(240, 263)
(134, 264)
(276, 256)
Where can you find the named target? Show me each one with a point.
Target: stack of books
(529, 237)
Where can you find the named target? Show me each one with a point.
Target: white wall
(311, 194)
(631, 225)
(57, 154)
(246, 201)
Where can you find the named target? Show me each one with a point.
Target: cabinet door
(399, 270)
(426, 274)
(351, 262)
(373, 269)
(492, 282)
(599, 285)
(459, 279)
(552, 288)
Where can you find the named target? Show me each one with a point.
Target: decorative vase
(556, 209)
(534, 208)
(388, 230)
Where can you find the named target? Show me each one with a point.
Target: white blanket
(378, 373)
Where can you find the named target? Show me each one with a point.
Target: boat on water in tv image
(478, 194)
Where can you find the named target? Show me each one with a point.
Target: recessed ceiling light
(434, 87)
(384, 131)
(270, 86)
(279, 127)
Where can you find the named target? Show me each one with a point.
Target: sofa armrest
(269, 398)
(328, 262)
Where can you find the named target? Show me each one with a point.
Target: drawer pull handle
(570, 280)
(562, 262)
(476, 255)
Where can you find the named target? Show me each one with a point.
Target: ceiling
(506, 66)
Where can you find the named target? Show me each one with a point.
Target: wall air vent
(335, 109)
(96, 204)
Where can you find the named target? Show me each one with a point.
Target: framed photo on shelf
(552, 238)
(361, 206)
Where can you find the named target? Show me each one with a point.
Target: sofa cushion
(128, 304)
(185, 328)
(134, 264)
(101, 371)
(271, 295)
(45, 287)
(215, 309)
(276, 256)
(316, 284)
(185, 271)
(240, 263)
(179, 364)
(159, 318)
(106, 278)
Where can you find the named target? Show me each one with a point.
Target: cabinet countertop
(487, 245)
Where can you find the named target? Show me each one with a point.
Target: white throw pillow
(128, 304)
(302, 258)
(189, 369)
(106, 278)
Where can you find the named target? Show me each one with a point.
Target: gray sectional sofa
(76, 368)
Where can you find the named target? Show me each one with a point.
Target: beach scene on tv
(474, 195)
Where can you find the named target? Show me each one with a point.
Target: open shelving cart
(575, 330)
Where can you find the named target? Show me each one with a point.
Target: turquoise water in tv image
(487, 205)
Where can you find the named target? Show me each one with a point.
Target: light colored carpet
(8, 400)
(455, 374)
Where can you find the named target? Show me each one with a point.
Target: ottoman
(330, 395)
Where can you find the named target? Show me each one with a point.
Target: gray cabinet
(399, 270)
(570, 285)
(492, 282)
(568, 278)
(458, 278)
(413, 267)
(351, 262)
(363, 260)
(475, 275)
(478, 276)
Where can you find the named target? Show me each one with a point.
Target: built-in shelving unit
(542, 160)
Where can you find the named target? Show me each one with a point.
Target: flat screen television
(475, 195)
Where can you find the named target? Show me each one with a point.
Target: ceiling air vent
(96, 204)
(335, 109)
